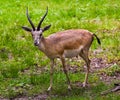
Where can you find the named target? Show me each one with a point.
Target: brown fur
(55, 44)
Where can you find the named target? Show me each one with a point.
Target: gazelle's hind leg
(84, 55)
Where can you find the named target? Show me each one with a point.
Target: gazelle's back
(72, 39)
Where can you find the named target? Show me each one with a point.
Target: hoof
(49, 89)
(84, 84)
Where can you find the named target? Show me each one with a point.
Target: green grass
(19, 57)
(111, 71)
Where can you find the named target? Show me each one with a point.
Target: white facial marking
(37, 37)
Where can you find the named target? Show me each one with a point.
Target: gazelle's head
(36, 32)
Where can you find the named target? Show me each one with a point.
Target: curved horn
(30, 20)
(39, 25)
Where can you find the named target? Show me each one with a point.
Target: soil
(96, 64)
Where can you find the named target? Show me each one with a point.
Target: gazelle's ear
(46, 27)
(26, 29)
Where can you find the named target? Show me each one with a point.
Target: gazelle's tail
(98, 40)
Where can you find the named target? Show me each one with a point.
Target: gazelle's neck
(42, 44)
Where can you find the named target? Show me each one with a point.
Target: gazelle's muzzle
(36, 42)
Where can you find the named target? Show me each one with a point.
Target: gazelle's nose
(36, 43)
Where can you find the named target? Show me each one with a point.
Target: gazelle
(64, 44)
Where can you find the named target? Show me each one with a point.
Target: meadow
(24, 70)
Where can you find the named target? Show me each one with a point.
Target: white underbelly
(72, 53)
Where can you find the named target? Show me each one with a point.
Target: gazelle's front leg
(65, 71)
(51, 74)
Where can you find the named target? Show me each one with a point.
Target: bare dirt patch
(36, 97)
(99, 64)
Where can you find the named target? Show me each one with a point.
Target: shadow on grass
(92, 91)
